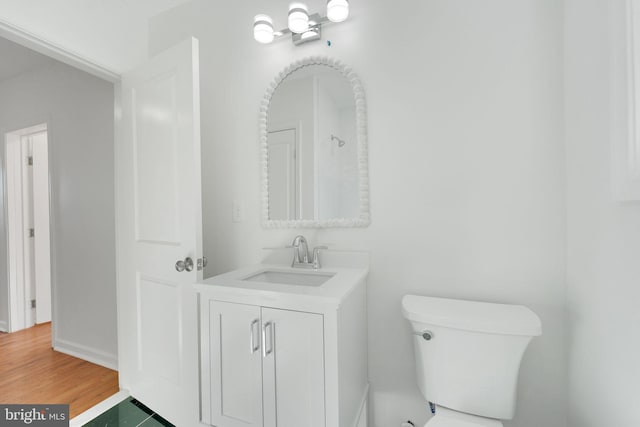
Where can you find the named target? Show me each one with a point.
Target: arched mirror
(314, 148)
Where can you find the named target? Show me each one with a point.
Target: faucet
(301, 254)
(299, 242)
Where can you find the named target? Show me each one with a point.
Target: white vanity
(284, 343)
(283, 346)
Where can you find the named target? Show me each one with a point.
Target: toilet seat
(448, 418)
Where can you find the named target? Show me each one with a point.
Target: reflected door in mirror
(282, 174)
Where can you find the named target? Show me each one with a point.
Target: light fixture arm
(313, 33)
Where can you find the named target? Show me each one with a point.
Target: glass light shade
(337, 10)
(263, 29)
(298, 18)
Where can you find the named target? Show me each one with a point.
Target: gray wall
(4, 285)
(79, 111)
(465, 107)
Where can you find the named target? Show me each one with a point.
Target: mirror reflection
(312, 147)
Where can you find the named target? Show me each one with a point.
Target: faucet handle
(316, 256)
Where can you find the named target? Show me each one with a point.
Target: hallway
(32, 372)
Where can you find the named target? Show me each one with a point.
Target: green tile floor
(129, 413)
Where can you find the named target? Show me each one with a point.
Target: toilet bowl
(468, 356)
(447, 418)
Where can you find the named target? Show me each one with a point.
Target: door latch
(202, 263)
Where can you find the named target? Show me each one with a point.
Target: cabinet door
(236, 365)
(293, 369)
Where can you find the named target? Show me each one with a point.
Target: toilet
(468, 357)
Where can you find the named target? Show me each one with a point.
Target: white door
(27, 189)
(28, 234)
(16, 237)
(159, 222)
(40, 153)
(293, 369)
(236, 365)
(282, 175)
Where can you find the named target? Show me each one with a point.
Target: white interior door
(282, 174)
(159, 222)
(18, 295)
(28, 233)
(42, 244)
(28, 245)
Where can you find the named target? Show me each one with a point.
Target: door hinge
(33, 303)
(32, 232)
(30, 160)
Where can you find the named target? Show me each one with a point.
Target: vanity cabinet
(267, 366)
(274, 355)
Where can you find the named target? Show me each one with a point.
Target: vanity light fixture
(302, 26)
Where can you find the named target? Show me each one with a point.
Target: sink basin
(290, 278)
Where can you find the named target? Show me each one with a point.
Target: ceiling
(17, 60)
(109, 33)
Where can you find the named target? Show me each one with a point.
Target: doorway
(27, 224)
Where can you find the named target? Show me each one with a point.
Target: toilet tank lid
(472, 315)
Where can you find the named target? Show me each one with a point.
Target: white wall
(109, 33)
(603, 264)
(79, 111)
(465, 107)
(337, 167)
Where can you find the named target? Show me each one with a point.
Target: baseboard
(4, 326)
(89, 354)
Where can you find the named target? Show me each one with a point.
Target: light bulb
(298, 18)
(263, 29)
(337, 10)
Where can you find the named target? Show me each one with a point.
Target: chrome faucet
(301, 254)
(300, 243)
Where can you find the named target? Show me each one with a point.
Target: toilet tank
(472, 359)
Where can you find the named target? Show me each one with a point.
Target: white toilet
(468, 356)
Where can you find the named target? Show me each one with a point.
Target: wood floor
(31, 372)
